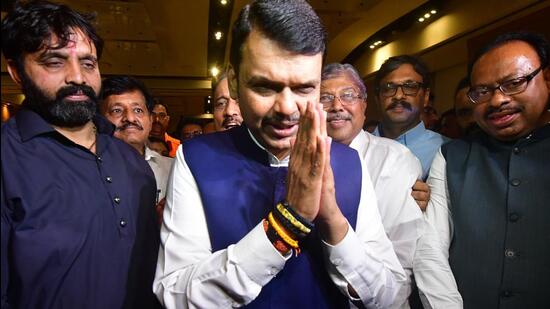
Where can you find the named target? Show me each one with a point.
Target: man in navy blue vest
(218, 249)
(492, 187)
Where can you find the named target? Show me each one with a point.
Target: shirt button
(98, 158)
(109, 179)
(509, 253)
(506, 294)
(117, 199)
(515, 182)
(513, 217)
(123, 223)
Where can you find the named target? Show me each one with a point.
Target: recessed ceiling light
(421, 19)
(372, 47)
(433, 11)
(427, 15)
(223, 2)
(218, 35)
(215, 71)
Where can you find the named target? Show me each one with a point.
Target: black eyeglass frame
(524, 80)
(420, 85)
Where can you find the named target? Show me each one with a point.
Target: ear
(232, 82)
(14, 73)
(426, 97)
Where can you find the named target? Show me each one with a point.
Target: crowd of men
(290, 203)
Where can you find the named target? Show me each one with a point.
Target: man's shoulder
(390, 154)
(387, 145)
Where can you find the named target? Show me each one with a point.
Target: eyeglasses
(346, 97)
(483, 94)
(408, 88)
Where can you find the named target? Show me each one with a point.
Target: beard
(59, 111)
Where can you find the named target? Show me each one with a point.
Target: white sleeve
(433, 274)
(437, 213)
(189, 274)
(365, 259)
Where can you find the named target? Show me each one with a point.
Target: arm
(6, 234)
(363, 264)
(437, 212)
(433, 274)
(189, 274)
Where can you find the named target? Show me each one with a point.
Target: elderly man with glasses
(403, 89)
(490, 191)
(393, 170)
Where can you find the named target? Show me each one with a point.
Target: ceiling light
(223, 2)
(372, 47)
(421, 19)
(433, 11)
(218, 35)
(215, 71)
(427, 15)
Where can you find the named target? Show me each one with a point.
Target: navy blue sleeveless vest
(238, 189)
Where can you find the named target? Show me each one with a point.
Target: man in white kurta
(393, 170)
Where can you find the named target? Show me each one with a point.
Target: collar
(360, 143)
(273, 160)
(413, 134)
(150, 154)
(30, 124)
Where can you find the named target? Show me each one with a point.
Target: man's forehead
(404, 72)
(76, 40)
(505, 61)
(159, 108)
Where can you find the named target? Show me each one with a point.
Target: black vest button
(505, 294)
(509, 253)
(517, 150)
(513, 217)
(515, 182)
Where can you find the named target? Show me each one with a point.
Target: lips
(282, 130)
(230, 125)
(502, 118)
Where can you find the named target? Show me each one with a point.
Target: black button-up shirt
(78, 229)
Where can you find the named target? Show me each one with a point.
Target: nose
(498, 99)
(74, 74)
(336, 105)
(232, 109)
(285, 103)
(399, 93)
(128, 116)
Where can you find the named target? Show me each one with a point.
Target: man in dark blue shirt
(77, 215)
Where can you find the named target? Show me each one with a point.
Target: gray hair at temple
(335, 70)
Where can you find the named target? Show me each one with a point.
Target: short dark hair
(30, 26)
(463, 83)
(536, 40)
(334, 70)
(116, 85)
(393, 63)
(293, 24)
(159, 102)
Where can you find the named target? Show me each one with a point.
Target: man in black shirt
(78, 228)
(492, 186)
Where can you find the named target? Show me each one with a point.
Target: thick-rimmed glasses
(346, 97)
(408, 88)
(483, 94)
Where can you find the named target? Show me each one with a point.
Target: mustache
(396, 103)
(284, 119)
(66, 91)
(127, 125)
(500, 109)
(338, 116)
(228, 119)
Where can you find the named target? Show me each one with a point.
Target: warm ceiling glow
(427, 15)
(433, 11)
(421, 19)
(218, 35)
(215, 71)
(223, 2)
(371, 47)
